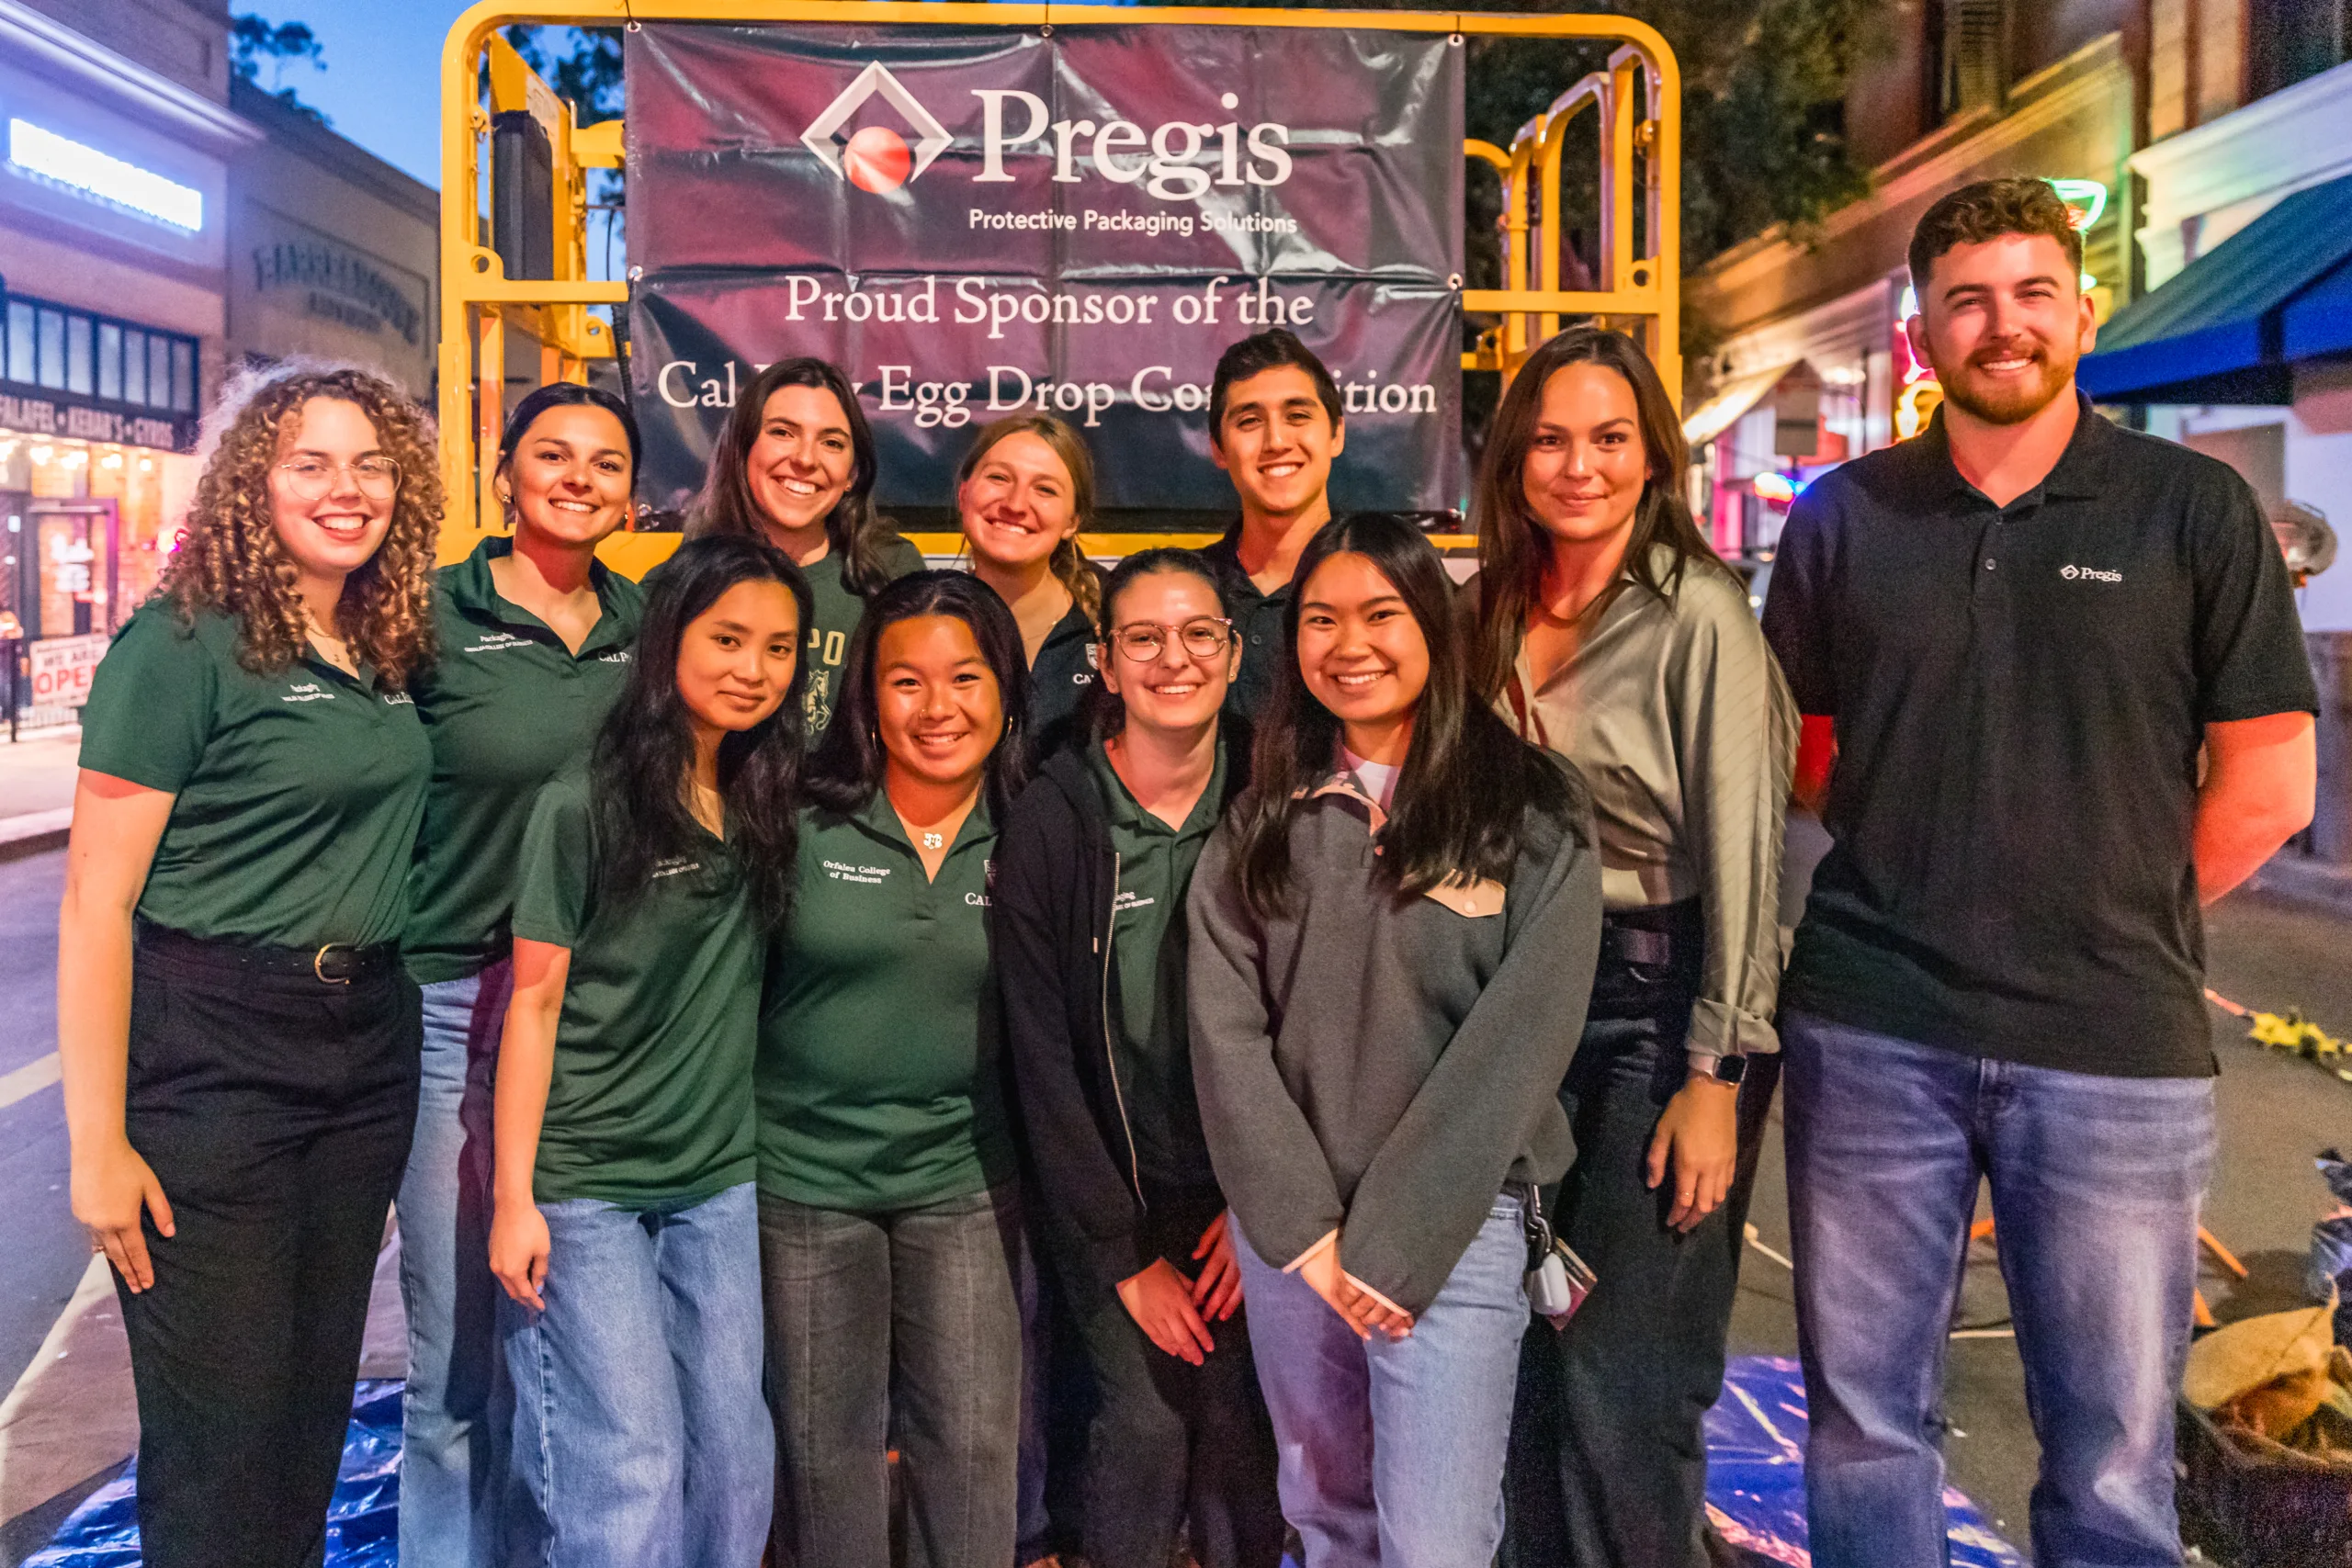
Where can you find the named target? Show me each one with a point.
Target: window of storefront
(90, 355)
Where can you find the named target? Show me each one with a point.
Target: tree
(1763, 110)
(252, 40)
(582, 64)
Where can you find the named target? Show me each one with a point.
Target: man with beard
(2015, 635)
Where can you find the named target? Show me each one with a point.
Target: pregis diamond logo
(877, 158)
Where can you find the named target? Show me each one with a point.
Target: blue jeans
(641, 1436)
(453, 1455)
(2097, 1183)
(1391, 1451)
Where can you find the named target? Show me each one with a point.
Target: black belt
(332, 964)
(1651, 936)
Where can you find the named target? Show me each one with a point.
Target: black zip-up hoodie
(1056, 878)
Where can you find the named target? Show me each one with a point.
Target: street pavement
(68, 1424)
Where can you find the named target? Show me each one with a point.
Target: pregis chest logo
(1177, 161)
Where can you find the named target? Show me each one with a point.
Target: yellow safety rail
(1639, 100)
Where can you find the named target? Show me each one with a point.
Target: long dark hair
(1513, 549)
(854, 530)
(1468, 784)
(847, 768)
(638, 770)
(1106, 711)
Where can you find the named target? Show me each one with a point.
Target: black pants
(1170, 1441)
(276, 1109)
(1608, 1464)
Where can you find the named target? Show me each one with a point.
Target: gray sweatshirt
(1384, 1066)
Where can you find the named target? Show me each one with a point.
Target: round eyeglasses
(312, 478)
(1205, 637)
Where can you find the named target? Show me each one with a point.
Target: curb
(34, 833)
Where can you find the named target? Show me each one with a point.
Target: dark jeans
(1608, 1461)
(276, 1110)
(2097, 1183)
(900, 1327)
(1170, 1441)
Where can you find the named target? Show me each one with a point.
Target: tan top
(1678, 716)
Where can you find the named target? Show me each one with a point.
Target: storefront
(2242, 348)
(332, 251)
(1813, 365)
(98, 416)
(160, 225)
(113, 250)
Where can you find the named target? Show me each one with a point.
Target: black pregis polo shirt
(2019, 694)
(1260, 620)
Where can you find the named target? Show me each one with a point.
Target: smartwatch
(1725, 1069)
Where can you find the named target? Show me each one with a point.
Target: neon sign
(99, 176)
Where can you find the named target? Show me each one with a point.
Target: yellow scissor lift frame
(1637, 99)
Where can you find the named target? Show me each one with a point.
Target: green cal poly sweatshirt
(1384, 1066)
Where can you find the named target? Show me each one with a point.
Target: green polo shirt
(880, 1085)
(836, 613)
(507, 707)
(296, 794)
(1059, 681)
(651, 1098)
(1150, 1045)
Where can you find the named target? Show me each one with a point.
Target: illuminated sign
(103, 178)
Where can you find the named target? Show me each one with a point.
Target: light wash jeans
(1391, 1450)
(456, 1409)
(2097, 1182)
(641, 1436)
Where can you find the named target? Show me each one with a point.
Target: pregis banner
(978, 222)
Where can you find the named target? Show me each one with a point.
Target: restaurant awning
(1729, 401)
(2230, 326)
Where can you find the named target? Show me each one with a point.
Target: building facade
(1810, 366)
(113, 260)
(332, 251)
(161, 224)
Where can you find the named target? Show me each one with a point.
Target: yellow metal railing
(1639, 100)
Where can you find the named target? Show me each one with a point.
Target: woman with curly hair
(239, 1041)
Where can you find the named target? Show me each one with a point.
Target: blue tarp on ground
(362, 1523)
(1756, 1436)
(1754, 1485)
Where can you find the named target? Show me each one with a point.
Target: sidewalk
(36, 790)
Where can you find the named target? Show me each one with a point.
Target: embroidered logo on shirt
(307, 691)
(842, 870)
(2089, 574)
(982, 899)
(677, 866)
(394, 699)
(618, 656)
(1127, 900)
(497, 642)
